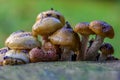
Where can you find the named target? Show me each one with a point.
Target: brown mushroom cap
(65, 37)
(46, 26)
(106, 49)
(51, 13)
(83, 28)
(102, 28)
(22, 40)
(39, 55)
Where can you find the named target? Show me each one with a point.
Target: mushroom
(16, 57)
(22, 40)
(2, 54)
(68, 41)
(52, 50)
(47, 53)
(51, 13)
(36, 55)
(102, 30)
(46, 27)
(83, 29)
(106, 51)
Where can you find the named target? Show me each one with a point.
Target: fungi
(15, 57)
(51, 13)
(2, 54)
(47, 53)
(83, 29)
(106, 51)
(68, 40)
(22, 40)
(46, 27)
(102, 30)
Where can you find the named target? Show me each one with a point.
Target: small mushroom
(68, 40)
(83, 29)
(16, 57)
(22, 40)
(102, 30)
(51, 13)
(106, 50)
(49, 48)
(2, 54)
(46, 27)
(47, 53)
(36, 55)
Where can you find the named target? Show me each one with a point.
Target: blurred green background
(21, 14)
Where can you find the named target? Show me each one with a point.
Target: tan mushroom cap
(51, 13)
(46, 26)
(83, 28)
(18, 54)
(2, 53)
(65, 37)
(22, 40)
(102, 28)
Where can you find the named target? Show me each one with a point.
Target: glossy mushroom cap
(106, 49)
(46, 26)
(22, 40)
(51, 13)
(83, 28)
(102, 28)
(65, 37)
(17, 54)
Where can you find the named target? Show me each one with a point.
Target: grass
(21, 14)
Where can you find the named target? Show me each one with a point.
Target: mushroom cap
(35, 55)
(39, 55)
(107, 49)
(51, 13)
(46, 26)
(18, 54)
(83, 28)
(65, 37)
(22, 40)
(2, 53)
(102, 28)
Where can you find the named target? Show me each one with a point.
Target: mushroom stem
(45, 39)
(92, 51)
(102, 57)
(66, 53)
(84, 45)
(78, 52)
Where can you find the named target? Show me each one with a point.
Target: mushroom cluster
(59, 41)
